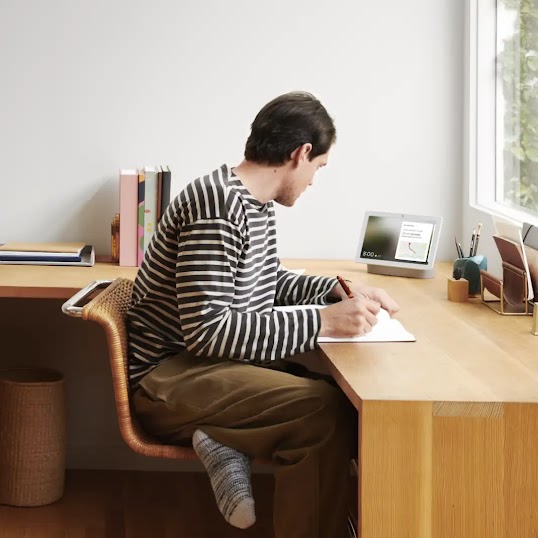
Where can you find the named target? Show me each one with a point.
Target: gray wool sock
(229, 473)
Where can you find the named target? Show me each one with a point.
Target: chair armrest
(71, 308)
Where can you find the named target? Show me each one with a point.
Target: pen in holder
(470, 270)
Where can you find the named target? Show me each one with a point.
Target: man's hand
(376, 294)
(349, 317)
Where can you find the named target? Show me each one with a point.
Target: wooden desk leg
(395, 469)
(448, 469)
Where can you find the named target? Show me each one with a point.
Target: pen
(471, 249)
(459, 250)
(345, 287)
(478, 229)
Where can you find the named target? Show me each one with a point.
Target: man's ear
(301, 153)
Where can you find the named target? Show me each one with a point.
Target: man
(207, 349)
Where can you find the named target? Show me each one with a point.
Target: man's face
(301, 177)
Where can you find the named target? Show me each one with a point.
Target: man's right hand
(349, 317)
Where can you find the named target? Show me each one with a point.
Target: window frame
(483, 113)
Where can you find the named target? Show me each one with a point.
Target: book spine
(113, 244)
(150, 204)
(128, 217)
(31, 258)
(140, 228)
(115, 236)
(159, 193)
(165, 189)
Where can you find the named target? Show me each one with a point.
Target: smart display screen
(397, 239)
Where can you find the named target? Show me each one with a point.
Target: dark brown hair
(284, 124)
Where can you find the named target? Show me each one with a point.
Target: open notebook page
(386, 329)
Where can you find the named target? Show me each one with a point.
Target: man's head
(286, 123)
(294, 133)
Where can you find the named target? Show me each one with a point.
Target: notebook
(16, 249)
(86, 258)
(386, 329)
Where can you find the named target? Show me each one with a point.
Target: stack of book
(47, 254)
(144, 196)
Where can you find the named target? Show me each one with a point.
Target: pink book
(128, 217)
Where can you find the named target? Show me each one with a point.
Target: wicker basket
(32, 436)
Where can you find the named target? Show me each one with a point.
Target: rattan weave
(108, 309)
(32, 436)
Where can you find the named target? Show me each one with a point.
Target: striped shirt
(210, 279)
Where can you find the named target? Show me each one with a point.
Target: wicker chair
(108, 309)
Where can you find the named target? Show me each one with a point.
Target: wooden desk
(448, 424)
(55, 282)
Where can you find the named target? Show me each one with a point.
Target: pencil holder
(470, 270)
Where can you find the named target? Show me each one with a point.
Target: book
(128, 218)
(140, 227)
(115, 238)
(386, 329)
(159, 192)
(150, 203)
(86, 258)
(165, 188)
(41, 249)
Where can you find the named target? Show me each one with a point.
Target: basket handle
(71, 308)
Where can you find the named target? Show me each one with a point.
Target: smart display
(399, 244)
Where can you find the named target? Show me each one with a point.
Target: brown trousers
(306, 426)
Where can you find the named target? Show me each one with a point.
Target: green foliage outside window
(518, 60)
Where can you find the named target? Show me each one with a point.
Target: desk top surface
(464, 351)
(55, 281)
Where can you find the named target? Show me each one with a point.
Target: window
(503, 107)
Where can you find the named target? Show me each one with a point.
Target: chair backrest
(109, 309)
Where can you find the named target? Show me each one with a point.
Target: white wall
(88, 87)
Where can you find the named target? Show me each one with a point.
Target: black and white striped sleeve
(206, 284)
(294, 289)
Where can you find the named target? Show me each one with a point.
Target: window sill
(499, 210)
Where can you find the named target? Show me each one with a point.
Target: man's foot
(229, 473)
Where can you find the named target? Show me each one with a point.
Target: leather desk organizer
(510, 292)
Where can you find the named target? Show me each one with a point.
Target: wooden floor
(135, 504)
